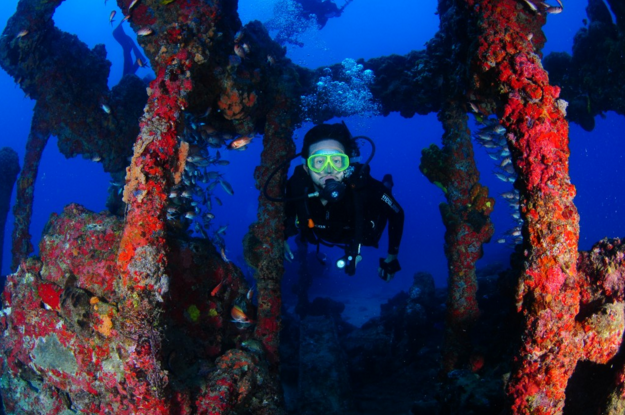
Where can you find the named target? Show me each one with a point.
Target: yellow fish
(166, 2)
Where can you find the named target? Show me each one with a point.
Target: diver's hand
(384, 272)
(288, 255)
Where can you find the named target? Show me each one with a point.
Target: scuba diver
(129, 46)
(322, 9)
(335, 202)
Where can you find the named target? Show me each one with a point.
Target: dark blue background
(367, 29)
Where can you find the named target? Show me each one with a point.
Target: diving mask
(319, 161)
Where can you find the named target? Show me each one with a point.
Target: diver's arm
(395, 215)
(395, 231)
(390, 265)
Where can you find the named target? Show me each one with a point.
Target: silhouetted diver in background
(322, 9)
(128, 45)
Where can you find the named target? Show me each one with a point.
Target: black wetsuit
(335, 223)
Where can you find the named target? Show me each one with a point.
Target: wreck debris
(9, 168)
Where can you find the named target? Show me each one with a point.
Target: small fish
(222, 229)
(222, 162)
(510, 195)
(190, 215)
(112, 17)
(532, 6)
(253, 346)
(501, 241)
(250, 294)
(240, 142)
(133, 4)
(187, 194)
(239, 51)
(141, 63)
(106, 108)
(222, 252)
(239, 316)
(96, 158)
(554, 10)
(211, 186)
(484, 136)
(166, 2)
(216, 289)
(505, 162)
(208, 216)
(218, 200)
(499, 129)
(126, 18)
(22, 34)
(501, 177)
(173, 194)
(271, 60)
(509, 169)
(146, 31)
(238, 36)
(490, 144)
(212, 175)
(203, 232)
(227, 187)
(206, 114)
(246, 48)
(474, 108)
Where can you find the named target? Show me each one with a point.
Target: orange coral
(235, 105)
(183, 152)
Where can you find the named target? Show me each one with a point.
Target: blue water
(366, 29)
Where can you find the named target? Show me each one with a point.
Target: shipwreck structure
(125, 314)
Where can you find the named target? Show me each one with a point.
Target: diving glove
(389, 268)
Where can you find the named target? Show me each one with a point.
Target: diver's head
(327, 149)
(327, 161)
(338, 132)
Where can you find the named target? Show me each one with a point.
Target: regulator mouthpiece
(333, 191)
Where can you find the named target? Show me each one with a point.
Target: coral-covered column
(23, 210)
(548, 291)
(466, 216)
(269, 229)
(142, 252)
(278, 146)
(9, 168)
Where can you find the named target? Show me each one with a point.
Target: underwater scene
(312, 207)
